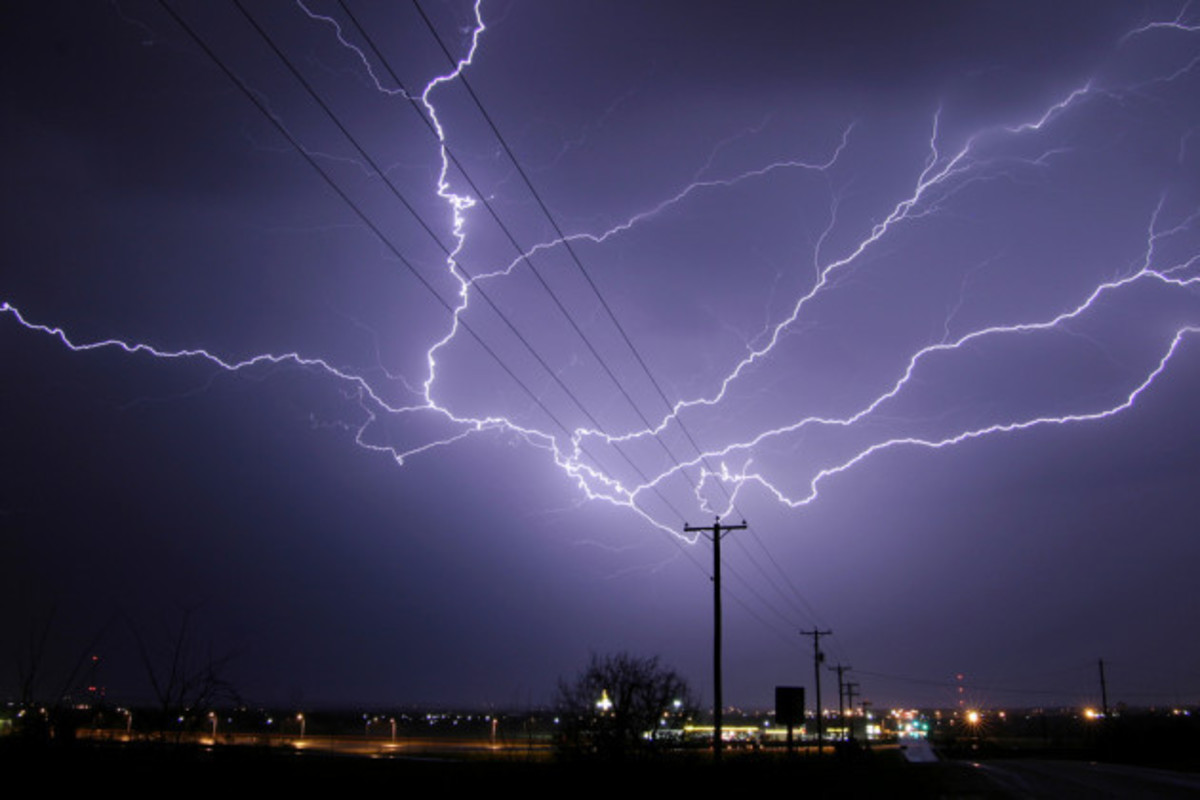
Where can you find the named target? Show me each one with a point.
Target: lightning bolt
(1177, 24)
(947, 173)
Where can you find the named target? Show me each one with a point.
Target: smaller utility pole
(841, 669)
(866, 705)
(714, 535)
(1103, 691)
(851, 690)
(818, 657)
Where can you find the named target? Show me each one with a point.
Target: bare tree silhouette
(617, 705)
(185, 674)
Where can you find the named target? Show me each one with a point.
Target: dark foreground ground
(162, 769)
(146, 768)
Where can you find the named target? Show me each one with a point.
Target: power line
(565, 241)
(523, 254)
(441, 245)
(391, 247)
(367, 221)
(470, 279)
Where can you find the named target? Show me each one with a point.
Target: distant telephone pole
(714, 534)
(818, 657)
(866, 715)
(851, 690)
(840, 669)
(1103, 691)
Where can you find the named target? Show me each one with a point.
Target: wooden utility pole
(818, 657)
(851, 690)
(841, 669)
(866, 705)
(1103, 691)
(714, 535)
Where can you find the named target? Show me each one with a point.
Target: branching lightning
(1169, 262)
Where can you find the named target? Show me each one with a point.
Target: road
(400, 747)
(1037, 779)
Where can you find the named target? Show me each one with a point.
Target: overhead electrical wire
(446, 250)
(574, 257)
(441, 245)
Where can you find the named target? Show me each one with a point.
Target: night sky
(920, 281)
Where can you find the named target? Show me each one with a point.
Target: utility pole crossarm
(716, 530)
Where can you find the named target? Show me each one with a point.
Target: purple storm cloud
(405, 339)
